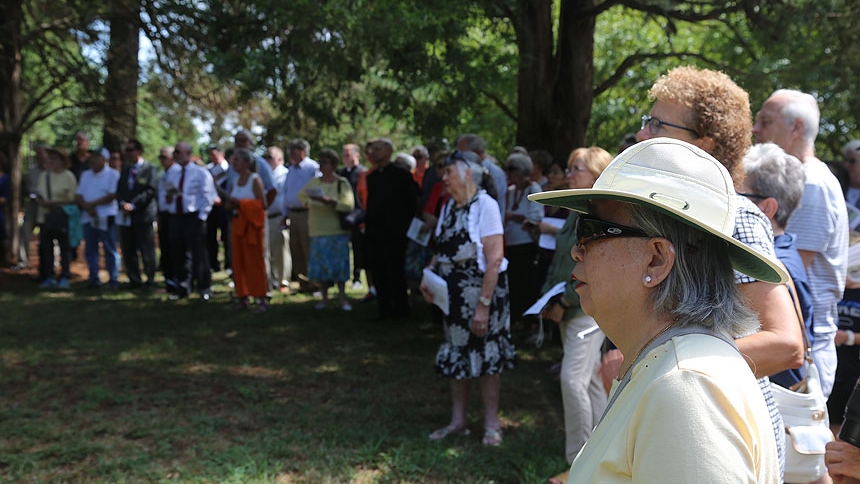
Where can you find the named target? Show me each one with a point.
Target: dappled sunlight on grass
(140, 390)
(327, 368)
(149, 352)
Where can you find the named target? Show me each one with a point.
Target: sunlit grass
(99, 387)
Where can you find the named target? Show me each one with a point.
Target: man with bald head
(790, 119)
(195, 194)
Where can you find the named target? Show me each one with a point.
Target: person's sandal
(440, 434)
(492, 438)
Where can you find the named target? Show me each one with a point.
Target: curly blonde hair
(719, 109)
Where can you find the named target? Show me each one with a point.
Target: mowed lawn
(99, 387)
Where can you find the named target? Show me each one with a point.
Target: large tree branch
(499, 102)
(695, 12)
(638, 58)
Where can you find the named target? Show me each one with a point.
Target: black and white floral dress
(464, 355)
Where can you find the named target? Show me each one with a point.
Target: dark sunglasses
(753, 196)
(589, 229)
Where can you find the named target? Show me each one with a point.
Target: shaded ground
(12, 280)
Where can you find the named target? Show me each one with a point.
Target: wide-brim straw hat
(682, 181)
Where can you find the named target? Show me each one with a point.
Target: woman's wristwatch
(485, 301)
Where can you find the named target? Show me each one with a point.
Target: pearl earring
(647, 279)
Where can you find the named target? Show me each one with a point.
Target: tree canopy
(545, 74)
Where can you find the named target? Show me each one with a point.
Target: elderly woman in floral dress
(469, 257)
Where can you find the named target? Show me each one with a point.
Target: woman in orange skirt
(248, 201)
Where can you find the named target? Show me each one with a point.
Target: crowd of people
(664, 268)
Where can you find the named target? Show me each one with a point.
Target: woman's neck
(464, 196)
(632, 349)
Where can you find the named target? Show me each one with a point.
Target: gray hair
(477, 171)
(301, 144)
(520, 162)
(245, 133)
(700, 288)
(406, 160)
(246, 155)
(853, 145)
(422, 150)
(801, 106)
(771, 172)
(473, 142)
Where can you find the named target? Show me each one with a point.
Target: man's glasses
(589, 229)
(655, 125)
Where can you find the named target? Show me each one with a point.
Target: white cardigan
(484, 220)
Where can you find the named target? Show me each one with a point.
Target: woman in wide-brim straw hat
(654, 256)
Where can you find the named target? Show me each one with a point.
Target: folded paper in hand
(537, 307)
(314, 191)
(417, 233)
(438, 287)
(547, 241)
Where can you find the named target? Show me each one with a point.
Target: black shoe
(369, 298)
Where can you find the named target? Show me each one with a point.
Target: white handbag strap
(792, 291)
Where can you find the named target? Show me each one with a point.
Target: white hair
(851, 146)
(801, 106)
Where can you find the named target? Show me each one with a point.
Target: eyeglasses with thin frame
(573, 170)
(655, 125)
(588, 229)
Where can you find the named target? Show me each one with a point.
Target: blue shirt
(297, 177)
(785, 246)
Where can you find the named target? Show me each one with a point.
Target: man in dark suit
(392, 200)
(136, 192)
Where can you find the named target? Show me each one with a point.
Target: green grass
(127, 388)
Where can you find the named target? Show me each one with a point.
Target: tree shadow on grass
(107, 387)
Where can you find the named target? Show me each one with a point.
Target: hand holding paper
(438, 287)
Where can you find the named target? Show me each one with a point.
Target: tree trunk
(556, 89)
(11, 111)
(534, 77)
(120, 106)
(573, 91)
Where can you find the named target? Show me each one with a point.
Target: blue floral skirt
(329, 261)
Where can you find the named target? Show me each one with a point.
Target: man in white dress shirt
(165, 216)
(195, 195)
(279, 237)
